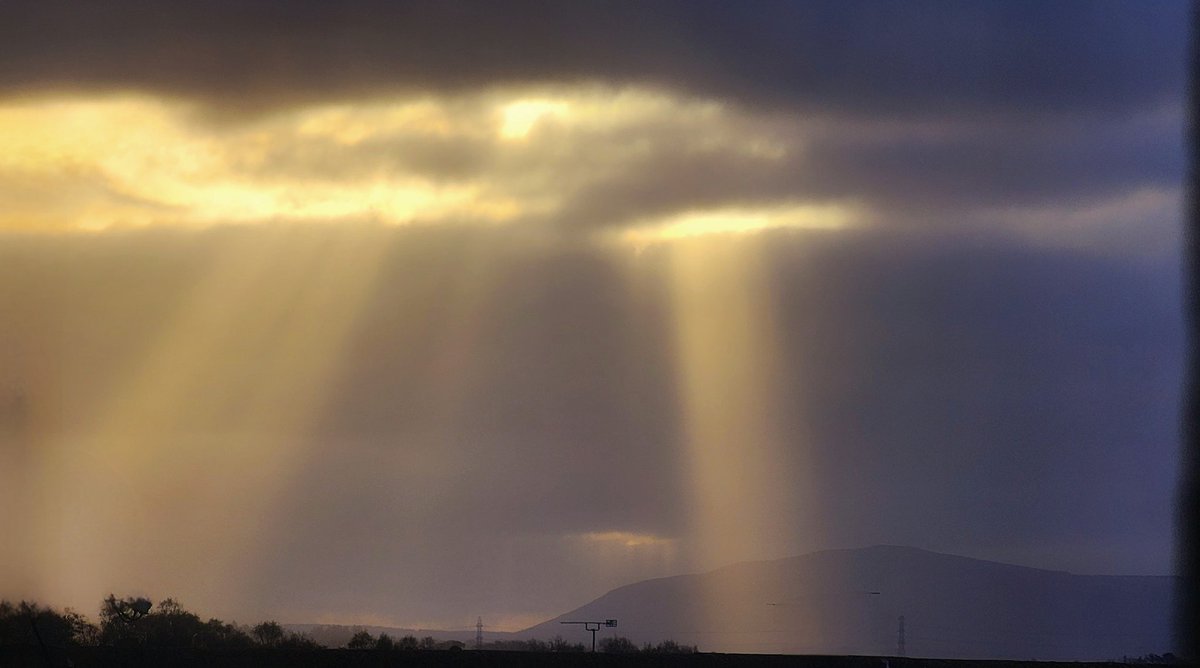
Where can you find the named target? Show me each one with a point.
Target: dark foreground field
(88, 657)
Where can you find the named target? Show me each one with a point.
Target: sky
(411, 313)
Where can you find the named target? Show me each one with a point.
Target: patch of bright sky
(520, 116)
(627, 538)
(737, 221)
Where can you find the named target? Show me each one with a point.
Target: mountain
(850, 602)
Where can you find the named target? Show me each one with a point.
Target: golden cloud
(104, 162)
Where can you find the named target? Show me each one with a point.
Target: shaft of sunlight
(199, 443)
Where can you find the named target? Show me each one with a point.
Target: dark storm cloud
(902, 170)
(932, 114)
(983, 165)
(891, 57)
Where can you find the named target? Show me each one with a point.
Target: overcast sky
(409, 313)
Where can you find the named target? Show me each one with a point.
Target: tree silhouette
(217, 634)
(119, 620)
(560, 645)
(28, 623)
(269, 634)
(618, 645)
(361, 640)
(127, 610)
(669, 647)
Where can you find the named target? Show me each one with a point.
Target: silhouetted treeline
(136, 622)
(670, 647)
(614, 645)
(27, 623)
(357, 637)
(557, 644)
(131, 631)
(362, 639)
(622, 645)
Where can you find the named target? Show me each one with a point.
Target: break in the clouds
(459, 308)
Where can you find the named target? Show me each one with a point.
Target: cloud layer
(574, 160)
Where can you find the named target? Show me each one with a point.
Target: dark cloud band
(897, 57)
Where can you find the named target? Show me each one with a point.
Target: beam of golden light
(744, 445)
(726, 350)
(188, 462)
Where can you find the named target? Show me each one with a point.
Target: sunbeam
(204, 436)
(744, 454)
(725, 346)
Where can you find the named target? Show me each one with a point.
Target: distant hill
(953, 607)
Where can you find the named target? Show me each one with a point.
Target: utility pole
(900, 637)
(593, 627)
(871, 633)
(479, 633)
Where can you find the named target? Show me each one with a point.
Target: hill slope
(953, 607)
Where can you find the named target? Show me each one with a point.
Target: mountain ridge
(848, 601)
